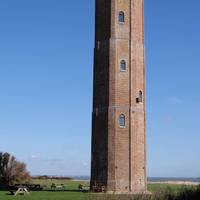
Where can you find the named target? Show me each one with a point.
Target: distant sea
(152, 179)
(166, 179)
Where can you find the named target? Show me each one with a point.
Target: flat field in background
(71, 191)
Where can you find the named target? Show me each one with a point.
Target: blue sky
(46, 63)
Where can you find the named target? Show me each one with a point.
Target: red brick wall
(119, 154)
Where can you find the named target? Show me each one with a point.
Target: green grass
(45, 195)
(71, 192)
(157, 186)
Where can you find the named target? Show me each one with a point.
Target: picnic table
(31, 187)
(57, 186)
(98, 188)
(24, 189)
(20, 190)
(83, 187)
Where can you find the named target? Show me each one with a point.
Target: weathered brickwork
(119, 153)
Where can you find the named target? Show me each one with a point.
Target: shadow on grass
(67, 190)
(189, 194)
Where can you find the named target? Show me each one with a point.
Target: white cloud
(175, 100)
(34, 156)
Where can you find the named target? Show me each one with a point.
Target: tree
(12, 171)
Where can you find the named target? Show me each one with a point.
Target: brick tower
(118, 119)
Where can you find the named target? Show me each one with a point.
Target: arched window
(122, 120)
(123, 65)
(121, 16)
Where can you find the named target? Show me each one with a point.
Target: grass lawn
(45, 195)
(172, 187)
(71, 192)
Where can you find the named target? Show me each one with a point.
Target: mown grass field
(71, 191)
(45, 195)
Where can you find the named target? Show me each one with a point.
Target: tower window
(122, 120)
(98, 44)
(121, 16)
(123, 65)
(140, 98)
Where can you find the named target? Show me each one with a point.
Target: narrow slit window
(122, 120)
(140, 96)
(139, 99)
(121, 17)
(123, 65)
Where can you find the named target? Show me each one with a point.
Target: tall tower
(118, 119)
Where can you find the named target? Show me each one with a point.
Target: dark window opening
(123, 65)
(140, 97)
(122, 120)
(121, 16)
